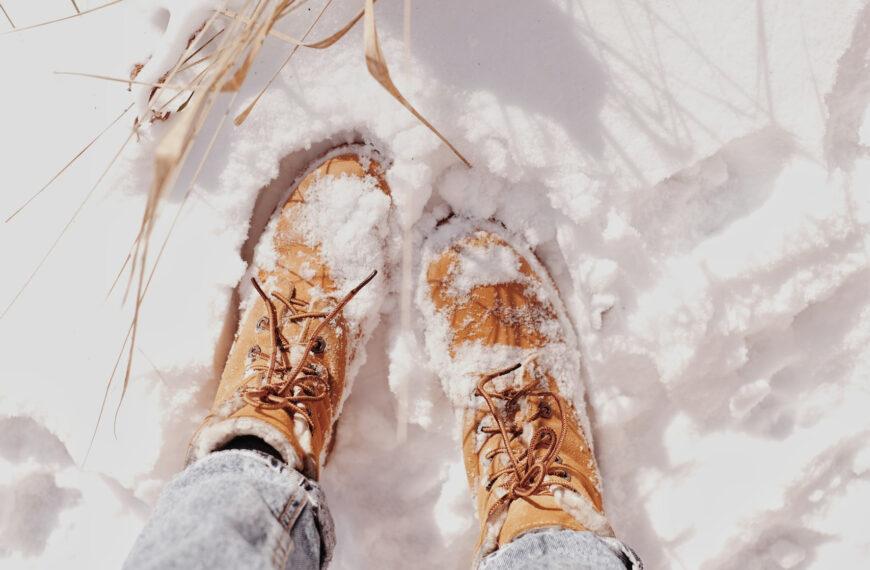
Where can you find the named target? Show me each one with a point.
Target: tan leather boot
(287, 374)
(510, 364)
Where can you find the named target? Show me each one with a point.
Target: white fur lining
(489, 540)
(218, 433)
(582, 509)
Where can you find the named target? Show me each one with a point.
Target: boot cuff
(216, 433)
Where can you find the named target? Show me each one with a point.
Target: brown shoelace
(285, 385)
(528, 465)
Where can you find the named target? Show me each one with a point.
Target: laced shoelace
(284, 385)
(527, 467)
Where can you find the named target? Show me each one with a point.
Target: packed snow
(693, 175)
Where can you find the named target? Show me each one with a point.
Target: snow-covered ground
(694, 174)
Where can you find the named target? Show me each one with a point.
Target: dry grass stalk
(324, 43)
(128, 81)
(188, 192)
(241, 117)
(375, 60)
(56, 20)
(378, 68)
(76, 6)
(68, 224)
(75, 214)
(5, 13)
(228, 71)
(68, 164)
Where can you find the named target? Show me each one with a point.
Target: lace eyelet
(319, 346)
(545, 410)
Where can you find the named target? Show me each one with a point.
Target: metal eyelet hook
(545, 410)
(262, 323)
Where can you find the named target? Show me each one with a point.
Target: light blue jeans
(244, 509)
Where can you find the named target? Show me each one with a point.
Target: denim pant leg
(237, 509)
(562, 550)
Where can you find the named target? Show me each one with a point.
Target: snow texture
(693, 175)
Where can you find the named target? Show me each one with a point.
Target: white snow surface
(694, 176)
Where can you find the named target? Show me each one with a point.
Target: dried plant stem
(88, 11)
(204, 58)
(202, 47)
(188, 53)
(250, 47)
(5, 13)
(377, 65)
(173, 149)
(143, 227)
(188, 192)
(153, 366)
(70, 163)
(194, 84)
(67, 225)
(123, 267)
(241, 117)
(126, 81)
(106, 395)
(196, 62)
(291, 7)
(320, 44)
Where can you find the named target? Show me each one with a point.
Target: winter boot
(508, 360)
(312, 301)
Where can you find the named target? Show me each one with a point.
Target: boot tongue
(522, 517)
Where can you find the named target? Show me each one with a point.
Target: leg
(562, 550)
(237, 509)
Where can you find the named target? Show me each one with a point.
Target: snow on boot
(310, 302)
(507, 357)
